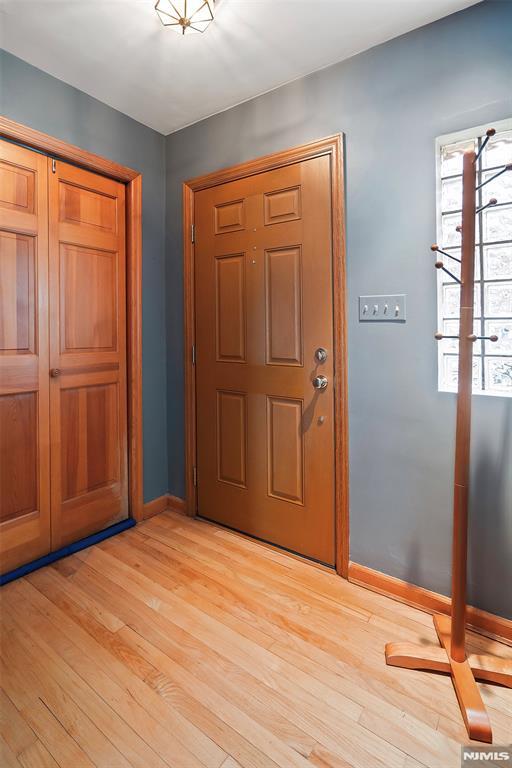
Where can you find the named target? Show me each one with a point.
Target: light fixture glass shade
(185, 16)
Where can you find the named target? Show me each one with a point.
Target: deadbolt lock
(321, 355)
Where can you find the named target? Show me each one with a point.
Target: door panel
(282, 205)
(88, 353)
(18, 445)
(24, 399)
(230, 304)
(285, 449)
(89, 450)
(17, 184)
(232, 438)
(263, 277)
(283, 297)
(87, 208)
(229, 217)
(17, 278)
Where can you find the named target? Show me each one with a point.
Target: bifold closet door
(88, 401)
(24, 403)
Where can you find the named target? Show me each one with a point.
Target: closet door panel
(24, 361)
(88, 353)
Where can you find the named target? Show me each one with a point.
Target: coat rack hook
(440, 336)
(491, 178)
(492, 201)
(489, 132)
(474, 337)
(440, 265)
(437, 249)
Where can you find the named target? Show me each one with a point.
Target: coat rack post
(452, 658)
(463, 431)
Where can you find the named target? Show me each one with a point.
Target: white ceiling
(119, 52)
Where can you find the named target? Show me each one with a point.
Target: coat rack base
(433, 658)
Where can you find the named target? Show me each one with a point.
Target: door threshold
(270, 545)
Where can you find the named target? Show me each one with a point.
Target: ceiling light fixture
(185, 16)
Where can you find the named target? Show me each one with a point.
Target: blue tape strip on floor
(68, 550)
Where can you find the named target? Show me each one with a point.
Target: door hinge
(193, 354)
(194, 476)
(193, 233)
(54, 165)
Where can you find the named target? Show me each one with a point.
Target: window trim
(441, 141)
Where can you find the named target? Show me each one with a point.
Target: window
(492, 364)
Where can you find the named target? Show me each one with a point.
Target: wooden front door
(24, 406)
(88, 402)
(264, 309)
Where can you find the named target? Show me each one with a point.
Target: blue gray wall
(34, 98)
(391, 102)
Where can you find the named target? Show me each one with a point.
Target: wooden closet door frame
(333, 147)
(61, 150)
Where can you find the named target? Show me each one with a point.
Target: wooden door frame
(331, 146)
(62, 150)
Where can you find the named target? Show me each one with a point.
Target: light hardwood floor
(178, 643)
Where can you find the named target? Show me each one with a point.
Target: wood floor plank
(229, 762)
(107, 619)
(119, 732)
(246, 653)
(205, 718)
(60, 744)
(152, 673)
(415, 739)
(373, 605)
(334, 709)
(13, 728)
(234, 646)
(313, 614)
(295, 571)
(7, 756)
(176, 740)
(36, 756)
(193, 686)
(361, 753)
(424, 682)
(359, 661)
(408, 726)
(179, 644)
(406, 628)
(334, 721)
(290, 635)
(62, 706)
(322, 758)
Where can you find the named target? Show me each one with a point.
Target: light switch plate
(377, 309)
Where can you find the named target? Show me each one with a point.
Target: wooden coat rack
(451, 657)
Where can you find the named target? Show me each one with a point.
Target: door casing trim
(333, 147)
(62, 150)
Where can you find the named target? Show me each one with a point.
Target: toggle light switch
(389, 308)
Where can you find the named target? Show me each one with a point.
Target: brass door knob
(320, 382)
